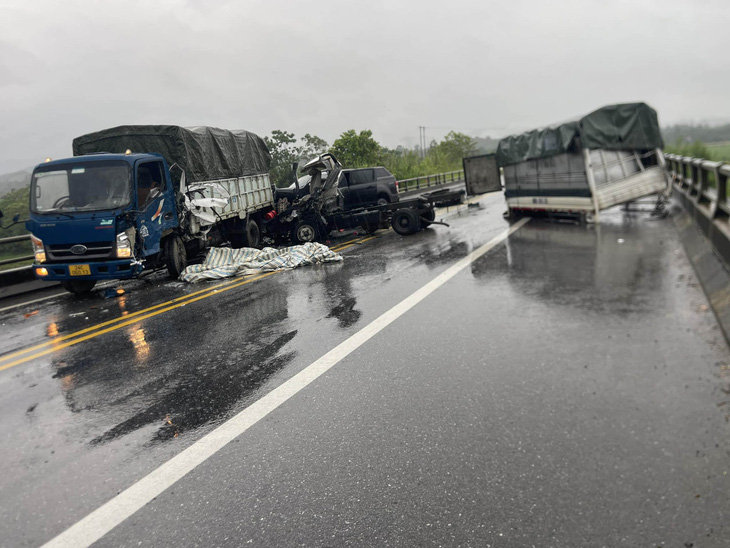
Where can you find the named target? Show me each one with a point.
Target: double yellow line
(58, 343)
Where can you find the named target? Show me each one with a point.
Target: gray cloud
(485, 68)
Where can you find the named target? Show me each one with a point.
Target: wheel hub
(305, 233)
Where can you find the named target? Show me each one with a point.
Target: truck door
(344, 186)
(362, 187)
(481, 174)
(150, 190)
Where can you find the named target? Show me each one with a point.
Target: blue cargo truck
(141, 197)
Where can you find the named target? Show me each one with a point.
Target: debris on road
(223, 262)
(112, 293)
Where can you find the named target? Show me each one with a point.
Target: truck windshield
(83, 186)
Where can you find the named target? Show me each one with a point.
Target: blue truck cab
(103, 216)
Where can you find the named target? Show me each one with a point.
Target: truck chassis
(406, 217)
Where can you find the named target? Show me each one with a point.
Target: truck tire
(78, 287)
(405, 222)
(253, 234)
(176, 258)
(427, 217)
(304, 231)
(382, 200)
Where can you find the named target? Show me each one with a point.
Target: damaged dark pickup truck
(306, 216)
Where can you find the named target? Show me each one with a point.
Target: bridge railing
(704, 182)
(428, 181)
(17, 259)
(701, 186)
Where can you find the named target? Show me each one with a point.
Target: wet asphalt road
(569, 388)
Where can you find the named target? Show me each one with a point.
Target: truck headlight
(124, 246)
(38, 250)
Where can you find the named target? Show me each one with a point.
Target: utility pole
(422, 140)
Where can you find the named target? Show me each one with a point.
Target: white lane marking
(26, 303)
(104, 519)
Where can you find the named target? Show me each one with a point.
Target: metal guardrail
(702, 181)
(701, 186)
(20, 278)
(427, 181)
(12, 240)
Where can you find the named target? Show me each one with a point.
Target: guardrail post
(687, 171)
(695, 174)
(721, 198)
(698, 174)
(674, 169)
(677, 171)
(670, 167)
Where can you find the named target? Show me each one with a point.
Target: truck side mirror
(1, 213)
(16, 217)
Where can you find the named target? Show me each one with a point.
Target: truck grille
(94, 250)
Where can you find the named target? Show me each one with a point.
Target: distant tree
(357, 150)
(403, 163)
(456, 146)
(285, 151)
(313, 146)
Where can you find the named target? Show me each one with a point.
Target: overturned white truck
(611, 156)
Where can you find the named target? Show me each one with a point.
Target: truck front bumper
(107, 270)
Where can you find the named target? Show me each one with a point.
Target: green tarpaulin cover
(204, 153)
(626, 126)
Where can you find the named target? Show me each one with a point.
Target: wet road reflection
(201, 394)
(608, 268)
(220, 356)
(439, 252)
(340, 296)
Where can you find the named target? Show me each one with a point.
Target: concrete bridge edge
(707, 260)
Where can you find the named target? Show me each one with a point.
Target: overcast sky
(482, 67)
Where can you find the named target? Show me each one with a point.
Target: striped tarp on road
(223, 262)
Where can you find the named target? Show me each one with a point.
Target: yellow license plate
(79, 270)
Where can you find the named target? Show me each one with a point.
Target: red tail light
(396, 186)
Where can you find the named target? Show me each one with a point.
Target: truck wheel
(382, 200)
(405, 222)
(305, 231)
(176, 259)
(78, 287)
(427, 217)
(253, 234)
